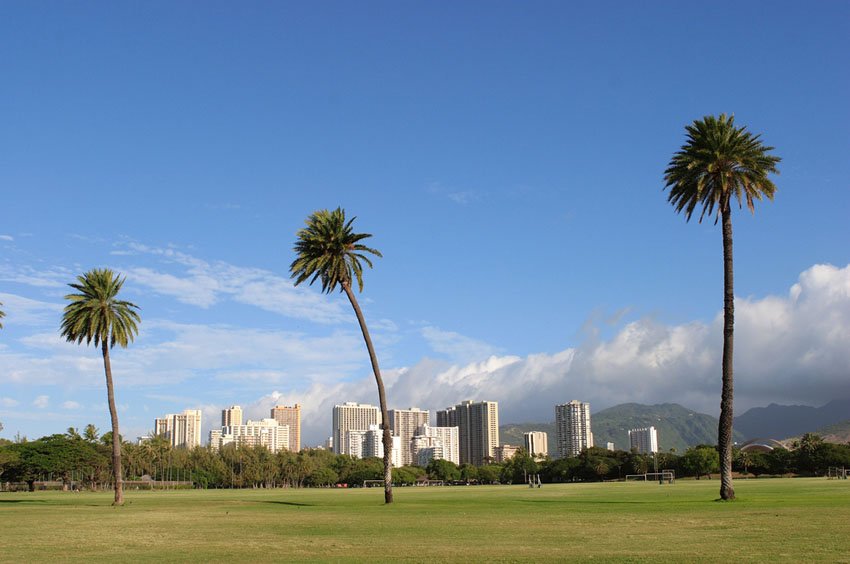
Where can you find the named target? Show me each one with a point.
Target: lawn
(773, 520)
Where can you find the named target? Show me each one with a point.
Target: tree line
(84, 461)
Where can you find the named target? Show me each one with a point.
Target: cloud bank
(789, 349)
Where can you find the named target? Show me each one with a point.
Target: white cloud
(24, 311)
(788, 349)
(50, 278)
(41, 402)
(6, 238)
(71, 405)
(455, 346)
(204, 284)
(170, 353)
(8, 402)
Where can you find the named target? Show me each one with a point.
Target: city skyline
(476, 146)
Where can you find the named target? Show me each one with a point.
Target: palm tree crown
(329, 250)
(2, 315)
(719, 161)
(95, 314)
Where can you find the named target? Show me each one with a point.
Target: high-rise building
(536, 443)
(478, 429)
(352, 416)
(181, 429)
(644, 441)
(291, 417)
(434, 442)
(266, 432)
(572, 425)
(231, 416)
(404, 423)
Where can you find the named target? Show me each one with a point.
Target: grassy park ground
(773, 520)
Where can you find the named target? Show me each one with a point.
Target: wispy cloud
(455, 346)
(49, 278)
(41, 402)
(461, 197)
(204, 284)
(6, 238)
(71, 405)
(24, 311)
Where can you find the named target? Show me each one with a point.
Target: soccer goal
(665, 476)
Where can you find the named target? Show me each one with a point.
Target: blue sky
(506, 156)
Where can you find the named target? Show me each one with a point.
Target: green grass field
(773, 520)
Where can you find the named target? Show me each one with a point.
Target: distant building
(505, 452)
(536, 443)
(439, 443)
(370, 443)
(644, 441)
(609, 446)
(291, 417)
(181, 429)
(478, 429)
(231, 416)
(265, 432)
(404, 423)
(352, 416)
(572, 425)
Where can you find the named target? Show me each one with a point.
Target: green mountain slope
(677, 427)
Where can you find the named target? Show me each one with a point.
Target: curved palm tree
(96, 314)
(718, 163)
(329, 250)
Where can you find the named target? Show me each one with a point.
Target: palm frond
(327, 249)
(719, 163)
(95, 315)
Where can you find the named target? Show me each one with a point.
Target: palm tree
(719, 163)
(96, 314)
(329, 250)
(2, 315)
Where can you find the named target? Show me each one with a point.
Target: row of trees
(84, 460)
(719, 163)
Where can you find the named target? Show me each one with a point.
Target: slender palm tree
(329, 250)
(96, 315)
(718, 163)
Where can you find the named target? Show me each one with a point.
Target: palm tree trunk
(116, 436)
(724, 428)
(382, 396)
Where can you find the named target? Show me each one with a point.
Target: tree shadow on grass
(22, 500)
(293, 503)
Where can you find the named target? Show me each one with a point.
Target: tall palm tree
(329, 250)
(718, 163)
(96, 314)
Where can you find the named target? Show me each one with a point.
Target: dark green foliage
(443, 470)
(700, 461)
(519, 468)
